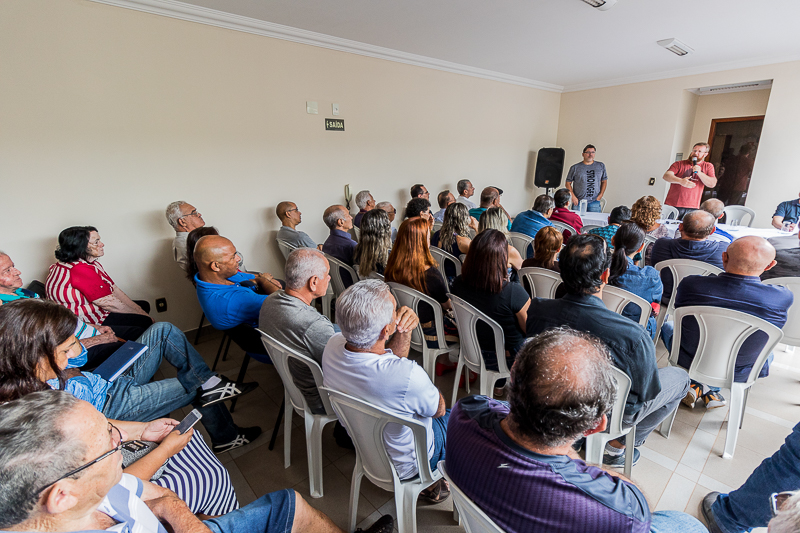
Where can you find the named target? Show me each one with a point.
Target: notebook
(120, 361)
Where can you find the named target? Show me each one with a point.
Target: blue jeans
(591, 207)
(675, 521)
(749, 506)
(273, 513)
(439, 438)
(133, 397)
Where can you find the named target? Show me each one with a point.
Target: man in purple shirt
(515, 460)
(365, 203)
(339, 243)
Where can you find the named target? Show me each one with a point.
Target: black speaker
(549, 168)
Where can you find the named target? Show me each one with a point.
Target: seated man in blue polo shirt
(787, 212)
(228, 297)
(531, 221)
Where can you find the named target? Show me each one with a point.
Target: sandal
(436, 493)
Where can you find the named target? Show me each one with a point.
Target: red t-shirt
(563, 214)
(679, 196)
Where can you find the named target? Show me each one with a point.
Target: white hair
(303, 264)
(174, 214)
(363, 310)
(332, 216)
(384, 205)
(362, 198)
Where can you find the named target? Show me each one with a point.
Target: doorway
(734, 144)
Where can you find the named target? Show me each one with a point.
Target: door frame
(714, 122)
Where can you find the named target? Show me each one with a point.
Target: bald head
(282, 208)
(713, 206)
(489, 196)
(215, 256)
(697, 225)
(749, 256)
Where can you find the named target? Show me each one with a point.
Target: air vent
(675, 46)
(734, 87)
(602, 5)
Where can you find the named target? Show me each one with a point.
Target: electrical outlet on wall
(161, 305)
(652, 181)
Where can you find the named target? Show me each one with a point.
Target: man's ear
(772, 264)
(313, 283)
(725, 260)
(181, 225)
(605, 275)
(214, 265)
(601, 426)
(387, 331)
(60, 497)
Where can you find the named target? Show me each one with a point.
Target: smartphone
(189, 422)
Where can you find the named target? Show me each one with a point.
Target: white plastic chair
(372, 275)
(336, 274)
(722, 333)
(603, 202)
(668, 212)
(616, 299)
(563, 226)
(357, 232)
(541, 281)
(596, 443)
(589, 227)
(467, 317)
(791, 330)
(441, 256)
(520, 241)
(294, 399)
(411, 298)
(649, 241)
(437, 226)
(285, 247)
(365, 424)
(470, 515)
(736, 214)
(680, 268)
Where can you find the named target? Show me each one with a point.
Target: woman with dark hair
(411, 264)
(626, 274)
(191, 242)
(80, 283)
(37, 339)
(546, 246)
(484, 284)
(374, 243)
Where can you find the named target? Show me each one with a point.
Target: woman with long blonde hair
(495, 218)
(374, 243)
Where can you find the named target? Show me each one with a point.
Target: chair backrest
(441, 256)
(336, 274)
(681, 268)
(542, 282)
(668, 212)
(280, 355)
(589, 227)
(37, 287)
(365, 423)
(520, 241)
(791, 330)
(614, 425)
(286, 248)
(357, 232)
(603, 204)
(467, 317)
(649, 241)
(372, 275)
(473, 518)
(563, 226)
(722, 333)
(735, 215)
(616, 299)
(437, 226)
(411, 298)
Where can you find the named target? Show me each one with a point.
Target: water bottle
(584, 203)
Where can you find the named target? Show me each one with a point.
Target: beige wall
(109, 114)
(637, 129)
(726, 105)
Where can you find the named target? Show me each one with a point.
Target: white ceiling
(566, 43)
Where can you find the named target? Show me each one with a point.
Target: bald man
(228, 297)
(738, 288)
(291, 217)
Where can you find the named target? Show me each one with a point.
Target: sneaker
(618, 461)
(225, 390)
(612, 451)
(384, 524)
(708, 514)
(245, 436)
(694, 393)
(713, 400)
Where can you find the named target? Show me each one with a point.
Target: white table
(594, 219)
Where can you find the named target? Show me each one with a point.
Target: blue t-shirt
(789, 210)
(529, 222)
(644, 282)
(87, 387)
(227, 306)
(18, 294)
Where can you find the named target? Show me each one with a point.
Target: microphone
(694, 162)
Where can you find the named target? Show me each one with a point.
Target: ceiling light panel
(602, 5)
(675, 46)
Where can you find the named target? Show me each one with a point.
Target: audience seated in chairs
(561, 390)
(531, 221)
(444, 199)
(228, 297)
(340, 243)
(374, 244)
(411, 264)
(368, 360)
(644, 282)
(546, 246)
(39, 348)
(80, 283)
(655, 392)
(693, 244)
(563, 213)
(484, 284)
(391, 212)
(617, 216)
(365, 203)
(183, 217)
(738, 288)
(495, 218)
(419, 207)
(290, 217)
(454, 237)
(48, 438)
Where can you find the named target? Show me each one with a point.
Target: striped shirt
(76, 285)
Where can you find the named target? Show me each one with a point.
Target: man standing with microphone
(688, 179)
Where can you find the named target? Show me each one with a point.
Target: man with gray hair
(183, 217)
(391, 212)
(465, 190)
(365, 202)
(368, 360)
(531, 221)
(340, 243)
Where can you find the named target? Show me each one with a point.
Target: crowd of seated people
(53, 405)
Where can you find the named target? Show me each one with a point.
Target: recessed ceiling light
(602, 5)
(675, 46)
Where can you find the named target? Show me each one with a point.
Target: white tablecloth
(595, 219)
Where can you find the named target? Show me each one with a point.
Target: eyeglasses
(110, 452)
(290, 210)
(778, 499)
(192, 214)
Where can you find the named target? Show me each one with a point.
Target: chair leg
(459, 373)
(199, 328)
(314, 451)
(277, 426)
(219, 350)
(405, 500)
(629, 452)
(744, 406)
(734, 416)
(666, 425)
(429, 358)
(660, 319)
(227, 347)
(355, 489)
(287, 430)
(240, 379)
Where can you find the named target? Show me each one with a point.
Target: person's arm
(148, 465)
(670, 177)
(118, 302)
(522, 316)
(400, 342)
(171, 510)
(777, 222)
(266, 283)
(514, 258)
(603, 185)
(574, 199)
(442, 407)
(105, 337)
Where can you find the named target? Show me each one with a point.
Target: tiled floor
(673, 473)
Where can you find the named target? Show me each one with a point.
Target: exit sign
(334, 124)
